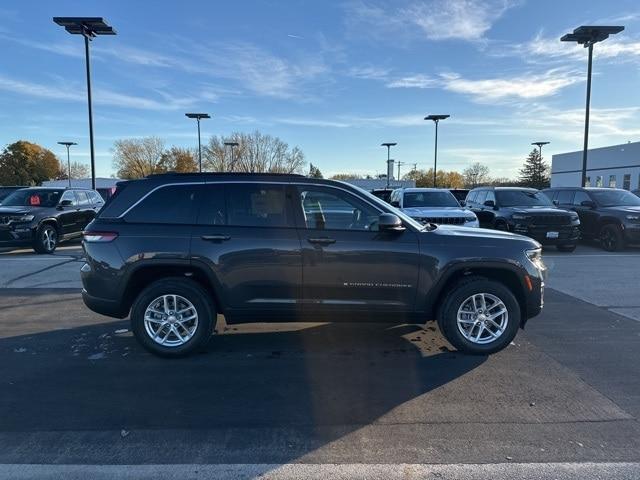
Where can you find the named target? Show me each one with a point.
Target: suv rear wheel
(46, 239)
(173, 317)
(479, 316)
(611, 238)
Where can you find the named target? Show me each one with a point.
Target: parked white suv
(433, 205)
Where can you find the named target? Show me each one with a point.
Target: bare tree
(137, 158)
(256, 152)
(78, 170)
(475, 175)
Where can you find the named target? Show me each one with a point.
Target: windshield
(429, 199)
(522, 198)
(615, 198)
(33, 198)
(386, 208)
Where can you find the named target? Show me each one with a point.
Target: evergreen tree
(314, 172)
(535, 171)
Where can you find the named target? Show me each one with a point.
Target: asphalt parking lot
(281, 400)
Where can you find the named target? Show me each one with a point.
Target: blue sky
(335, 78)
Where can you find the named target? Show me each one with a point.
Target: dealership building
(617, 166)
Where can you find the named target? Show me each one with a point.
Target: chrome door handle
(321, 240)
(215, 238)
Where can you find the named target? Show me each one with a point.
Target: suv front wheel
(46, 239)
(173, 317)
(479, 316)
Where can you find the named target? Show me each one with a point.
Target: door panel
(68, 218)
(347, 263)
(246, 237)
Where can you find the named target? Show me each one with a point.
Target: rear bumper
(103, 306)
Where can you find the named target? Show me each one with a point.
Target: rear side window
(257, 205)
(565, 197)
(212, 205)
(95, 197)
(173, 204)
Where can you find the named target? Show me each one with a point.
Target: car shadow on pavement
(306, 378)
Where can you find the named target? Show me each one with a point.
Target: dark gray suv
(609, 215)
(173, 250)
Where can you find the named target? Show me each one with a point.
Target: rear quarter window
(173, 204)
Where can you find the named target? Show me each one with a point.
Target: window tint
(580, 197)
(472, 197)
(172, 204)
(69, 195)
(83, 199)
(482, 194)
(490, 196)
(328, 209)
(212, 205)
(565, 197)
(257, 205)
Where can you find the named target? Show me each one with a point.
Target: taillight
(94, 237)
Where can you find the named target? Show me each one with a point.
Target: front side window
(471, 198)
(173, 204)
(83, 199)
(333, 210)
(69, 196)
(522, 198)
(33, 198)
(490, 196)
(581, 197)
(482, 195)
(257, 205)
(565, 197)
(429, 199)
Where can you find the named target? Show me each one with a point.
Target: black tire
(611, 238)
(501, 225)
(566, 248)
(447, 315)
(192, 292)
(46, 239)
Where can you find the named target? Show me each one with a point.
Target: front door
(348, 265)
(246, 237)
(70, 214)
(588, 216)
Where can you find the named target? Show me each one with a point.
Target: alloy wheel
(482, 318)
(49, 238)
(171, 320)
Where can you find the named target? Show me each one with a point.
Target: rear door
(348, 265)
(85, 212)
(246, 238)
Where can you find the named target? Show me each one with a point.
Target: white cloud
(467, 20)
(456, 19)
(414, 81)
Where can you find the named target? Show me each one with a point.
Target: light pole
(436, 119)
(198, 117)
(68, 144)
(588, 36)
(389, 170)
(88, 27)
(232, 145)
(399, 165)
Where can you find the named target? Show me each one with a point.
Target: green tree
(138, 157)
(314, 172)
(26, 163)
(535, 171)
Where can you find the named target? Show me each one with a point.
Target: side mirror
(588, 203)
(463, 203)
(556, 203)
(490, 203)
(388, 222)
(65, 203)
(395, 203)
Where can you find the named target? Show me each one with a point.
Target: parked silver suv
(433, 205)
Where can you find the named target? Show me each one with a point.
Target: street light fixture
(68, 145)
(198, 117)
(232, 145)
(389, 168)
(89, 28)
(436, 119)
(588, 36)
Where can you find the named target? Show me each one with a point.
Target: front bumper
(549, 234)
(16, 236)
(632, 233)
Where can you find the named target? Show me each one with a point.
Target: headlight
(535, 256)
(575, 218)
(520, 216)
(633, 218)
(470, 219)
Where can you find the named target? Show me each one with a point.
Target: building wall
(602, 163)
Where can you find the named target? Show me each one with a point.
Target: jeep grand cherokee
(173, 250)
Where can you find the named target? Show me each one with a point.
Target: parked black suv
(43, 217)
(607, 214)
(173, 250)
(526, 211)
